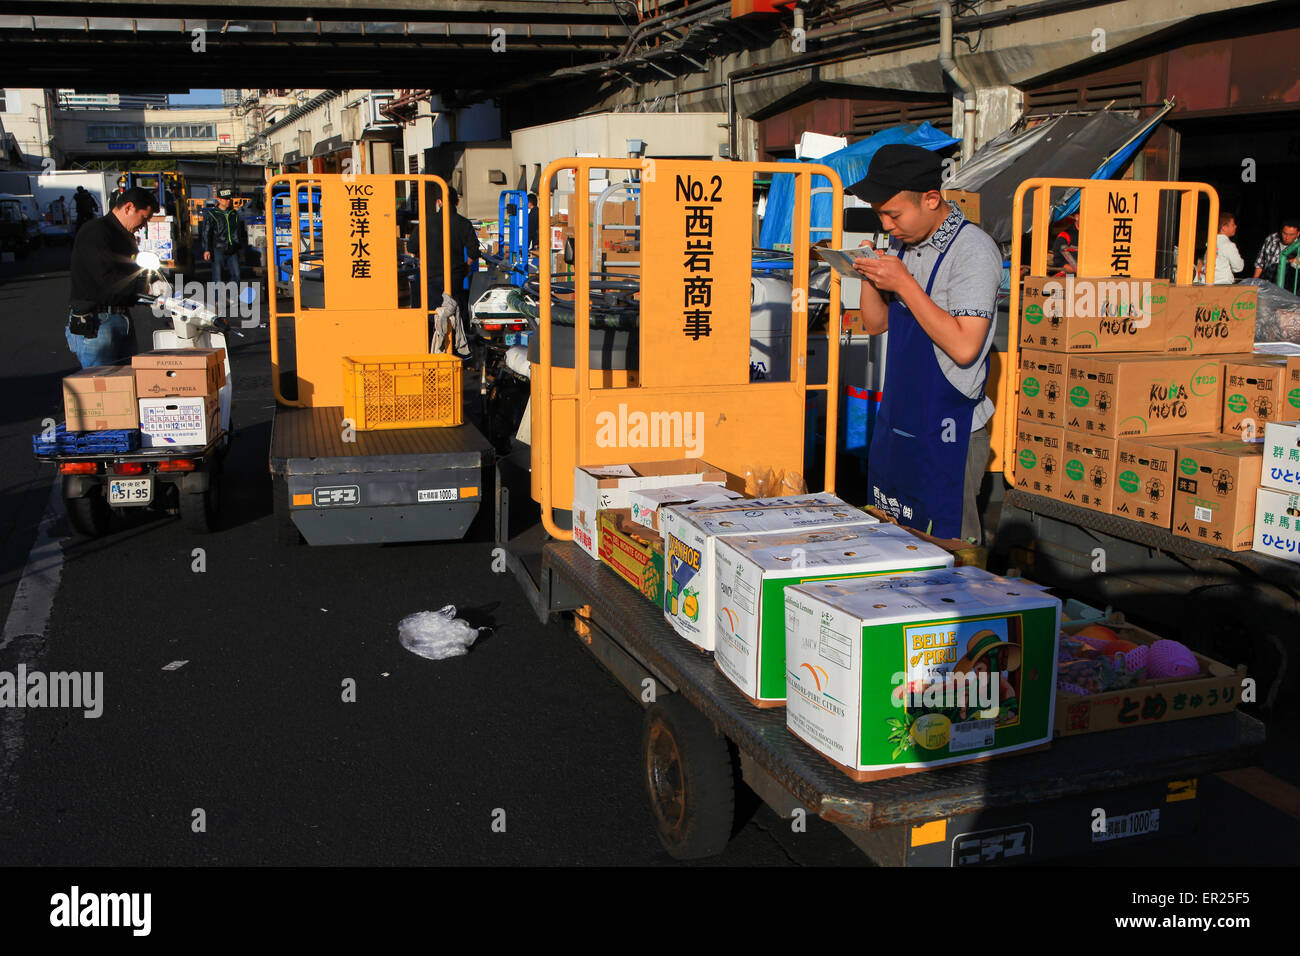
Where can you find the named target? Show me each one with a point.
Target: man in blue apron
(934, 291)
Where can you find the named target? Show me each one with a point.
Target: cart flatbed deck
(630, 636)
(401, 484)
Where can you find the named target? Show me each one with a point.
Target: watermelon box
(1216, 691)
(902, 673)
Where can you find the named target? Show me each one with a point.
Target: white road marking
(34, 598)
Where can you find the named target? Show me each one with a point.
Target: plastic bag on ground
(437, 635)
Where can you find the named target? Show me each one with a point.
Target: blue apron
(913, 473)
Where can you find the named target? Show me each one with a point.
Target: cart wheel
(201, 512)
(90, 516)
(689, 779)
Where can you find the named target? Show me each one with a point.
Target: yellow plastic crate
(402, 391)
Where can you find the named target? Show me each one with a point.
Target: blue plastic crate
(91, 443)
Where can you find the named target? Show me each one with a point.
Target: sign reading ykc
(362, 229)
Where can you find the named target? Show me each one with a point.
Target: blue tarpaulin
(851, 164)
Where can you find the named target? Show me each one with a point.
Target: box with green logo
(1042, 386)
(1111, 314)
(1211, 319)
(1038, 458)
(1114, 396)
(751, 574)
(1088, 472)
(898, 674)
(1281, 456)
(1144, 484)
(1291, 387)
(1277, 524)
(1214, 497)
(1253, 393)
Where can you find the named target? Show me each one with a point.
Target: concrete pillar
(996, 110)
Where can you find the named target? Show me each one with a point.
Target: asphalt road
(253, 729)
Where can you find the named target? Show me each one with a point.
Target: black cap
(898, 168)
(225, 193)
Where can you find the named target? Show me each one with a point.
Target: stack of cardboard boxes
(1143, 399)
(170, 395)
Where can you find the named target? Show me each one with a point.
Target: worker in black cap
(224, 237)
(935, 293)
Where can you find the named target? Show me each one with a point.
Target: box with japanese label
(1281, 469)
(179, 421)
(1073, 314)
(1088, 472)
(1252, 393)
(1144, 483)
(1277, 524)
(1216, 689)
(1038, 458)
(1211, 319)
(752, 572)
(897, 674)
(1042, 387)
(643, 504)
(691, 533)
(1214, 492)
(1118, 395)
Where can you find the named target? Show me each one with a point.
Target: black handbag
(85, 324)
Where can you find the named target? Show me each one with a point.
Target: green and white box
(753, 571)
(906, 672)
(689, 534)
(646, 503)
(1277, 524)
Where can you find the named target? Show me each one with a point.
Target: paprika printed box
(636, 558)
(186, 372)
(1088, 472)
(892, 675)
(1038, 458)
(1042, 386)
(1211, 319)
(1277, 524)
(1144, 484)
(1252, 391)
(1111, 314)
(1281, 469)
(752, 573)
(101, 398)
(690, 536)
(1216, 691)
(1114, 396)
(1214, 494)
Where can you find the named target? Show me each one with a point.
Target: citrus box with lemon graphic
(752, 572)
(900, 673)
(1113, 396)
(690, 533)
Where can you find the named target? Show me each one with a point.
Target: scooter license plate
(130, 491)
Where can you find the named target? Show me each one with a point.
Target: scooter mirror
(148, 261)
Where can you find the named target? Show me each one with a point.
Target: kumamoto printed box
(1116, 314)
(1144, 485)
(1214, 498)
(690, 535)
(1038, 458)
(1281, 457)
(1252, 391)
(1088, 472)
(1042, 386)
(752, 572)
(1114, 396)
(1212, 319)
(898, 674)
(1291, 387)
(1277, 524)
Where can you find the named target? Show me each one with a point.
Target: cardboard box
(1144, 485)
(1038, 458)
(1252, 391)
(100, 399)
(690, 537)
(185, 372)
(636, 559)
(1211, 319)
(644, 504)
(165, 422)
(1214, 494)
(598, 488)
(1042, 386)
(1079, 314)
(1217, 691)
(1118, 395)
(967, 201)
(892, 675)
(1281, 469)
(752, 572)
(1291, 387)
(1088, 472)
(1277, 524)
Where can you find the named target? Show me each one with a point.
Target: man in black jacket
(464, 252)
(106, 281)
(224, 237)
(86, 206)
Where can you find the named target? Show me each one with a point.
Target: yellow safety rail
(360, 315)
(693, 354)
(1119, 222)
